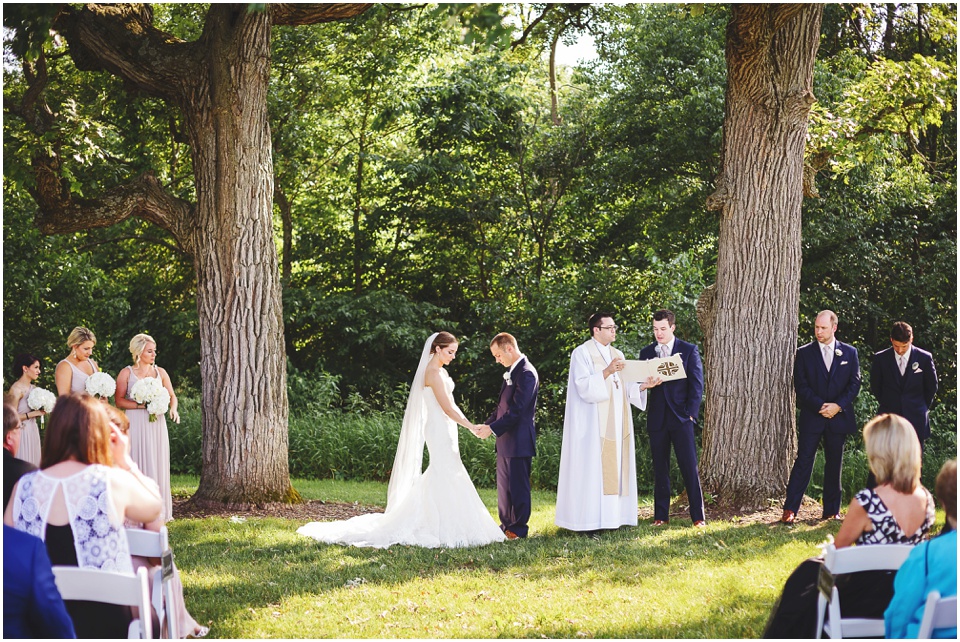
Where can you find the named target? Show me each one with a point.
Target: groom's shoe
(511, 535)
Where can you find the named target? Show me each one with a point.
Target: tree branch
(143, 197)
(121, 39)
(309, 14)
(526, 32)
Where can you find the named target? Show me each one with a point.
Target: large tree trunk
(750, 316)
(238, 288)
(219, 83)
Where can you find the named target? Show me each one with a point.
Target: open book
(668, 369)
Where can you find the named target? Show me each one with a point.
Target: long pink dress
(29, 433)
(78, 382)
(150, 447)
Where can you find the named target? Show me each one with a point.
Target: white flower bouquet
(150, 391)
(100, 384)
(40, 399)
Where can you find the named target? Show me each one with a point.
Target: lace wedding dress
(438, 508)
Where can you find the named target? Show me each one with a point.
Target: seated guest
(186, 625)
(13, 468)
(931, 566)
(32, 607)
(898, 511)
(77, 501)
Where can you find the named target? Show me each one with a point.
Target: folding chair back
(144, 543)
(854, 559)
(108, 587)
(939, 613)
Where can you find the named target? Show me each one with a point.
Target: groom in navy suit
(512, 423)
(826, 376)
(672, 408)
(904, 381)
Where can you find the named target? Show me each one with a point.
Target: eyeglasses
(608, 327)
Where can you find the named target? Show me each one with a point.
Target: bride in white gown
(436, 508)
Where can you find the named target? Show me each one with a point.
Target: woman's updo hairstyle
(78, 335)
(443, 340)
(137, 346)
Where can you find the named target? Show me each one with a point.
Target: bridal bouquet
(150, 391)
(100, 384)
(40, 399)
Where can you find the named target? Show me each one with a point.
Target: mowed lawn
(257, 578)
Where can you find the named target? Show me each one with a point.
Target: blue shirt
(931, 566)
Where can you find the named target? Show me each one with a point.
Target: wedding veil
(408, 463)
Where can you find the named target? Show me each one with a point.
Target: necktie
(827, 357)
(902, 363)
(663, 351)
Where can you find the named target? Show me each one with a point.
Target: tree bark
(750, 315)
(220, 85)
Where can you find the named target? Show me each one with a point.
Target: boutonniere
(915, 366)
(506, 377)
(838, 352)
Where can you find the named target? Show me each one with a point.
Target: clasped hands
(481, 430)
(829, 410)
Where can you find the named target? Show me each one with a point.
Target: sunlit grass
(257, 578)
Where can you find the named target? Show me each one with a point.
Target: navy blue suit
(512, 423)
(909, 395)
(32, 606)
(672, 410)
(815, 387)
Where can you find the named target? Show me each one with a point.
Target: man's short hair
(660, 315)
(596, 319)
(901, 332)
(503, 340)
(834, 320)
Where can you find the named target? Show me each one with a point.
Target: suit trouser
(807, 443)
(513, 493)
(680, 434)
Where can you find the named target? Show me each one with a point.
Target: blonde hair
(893, 451)
(138, 344)
(78, 335)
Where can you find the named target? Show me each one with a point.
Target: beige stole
(613, 483)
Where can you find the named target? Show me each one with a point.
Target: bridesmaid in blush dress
(27, 368)
(72, 373)
(149, 442)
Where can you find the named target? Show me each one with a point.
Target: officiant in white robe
(597, 488)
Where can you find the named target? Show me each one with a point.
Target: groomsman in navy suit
(672, 409)
(512, 423)
(826, 376)
(904, 381)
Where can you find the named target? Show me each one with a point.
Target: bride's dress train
(441, 508)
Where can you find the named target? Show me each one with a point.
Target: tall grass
(358, 442)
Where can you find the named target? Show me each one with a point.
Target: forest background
(426, 183)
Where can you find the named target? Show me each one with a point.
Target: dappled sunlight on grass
(256, 577)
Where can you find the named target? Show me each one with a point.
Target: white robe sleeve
(591, 386)
(637, 396)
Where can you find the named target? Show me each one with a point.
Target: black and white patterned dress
(886, 530)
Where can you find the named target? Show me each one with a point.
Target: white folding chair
(939, 613)
(852, 559)
(108, 587)
(146, 543)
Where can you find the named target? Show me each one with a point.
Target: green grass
(258, 578)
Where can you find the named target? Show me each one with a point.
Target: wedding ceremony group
(104, 473)
(480, 320)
